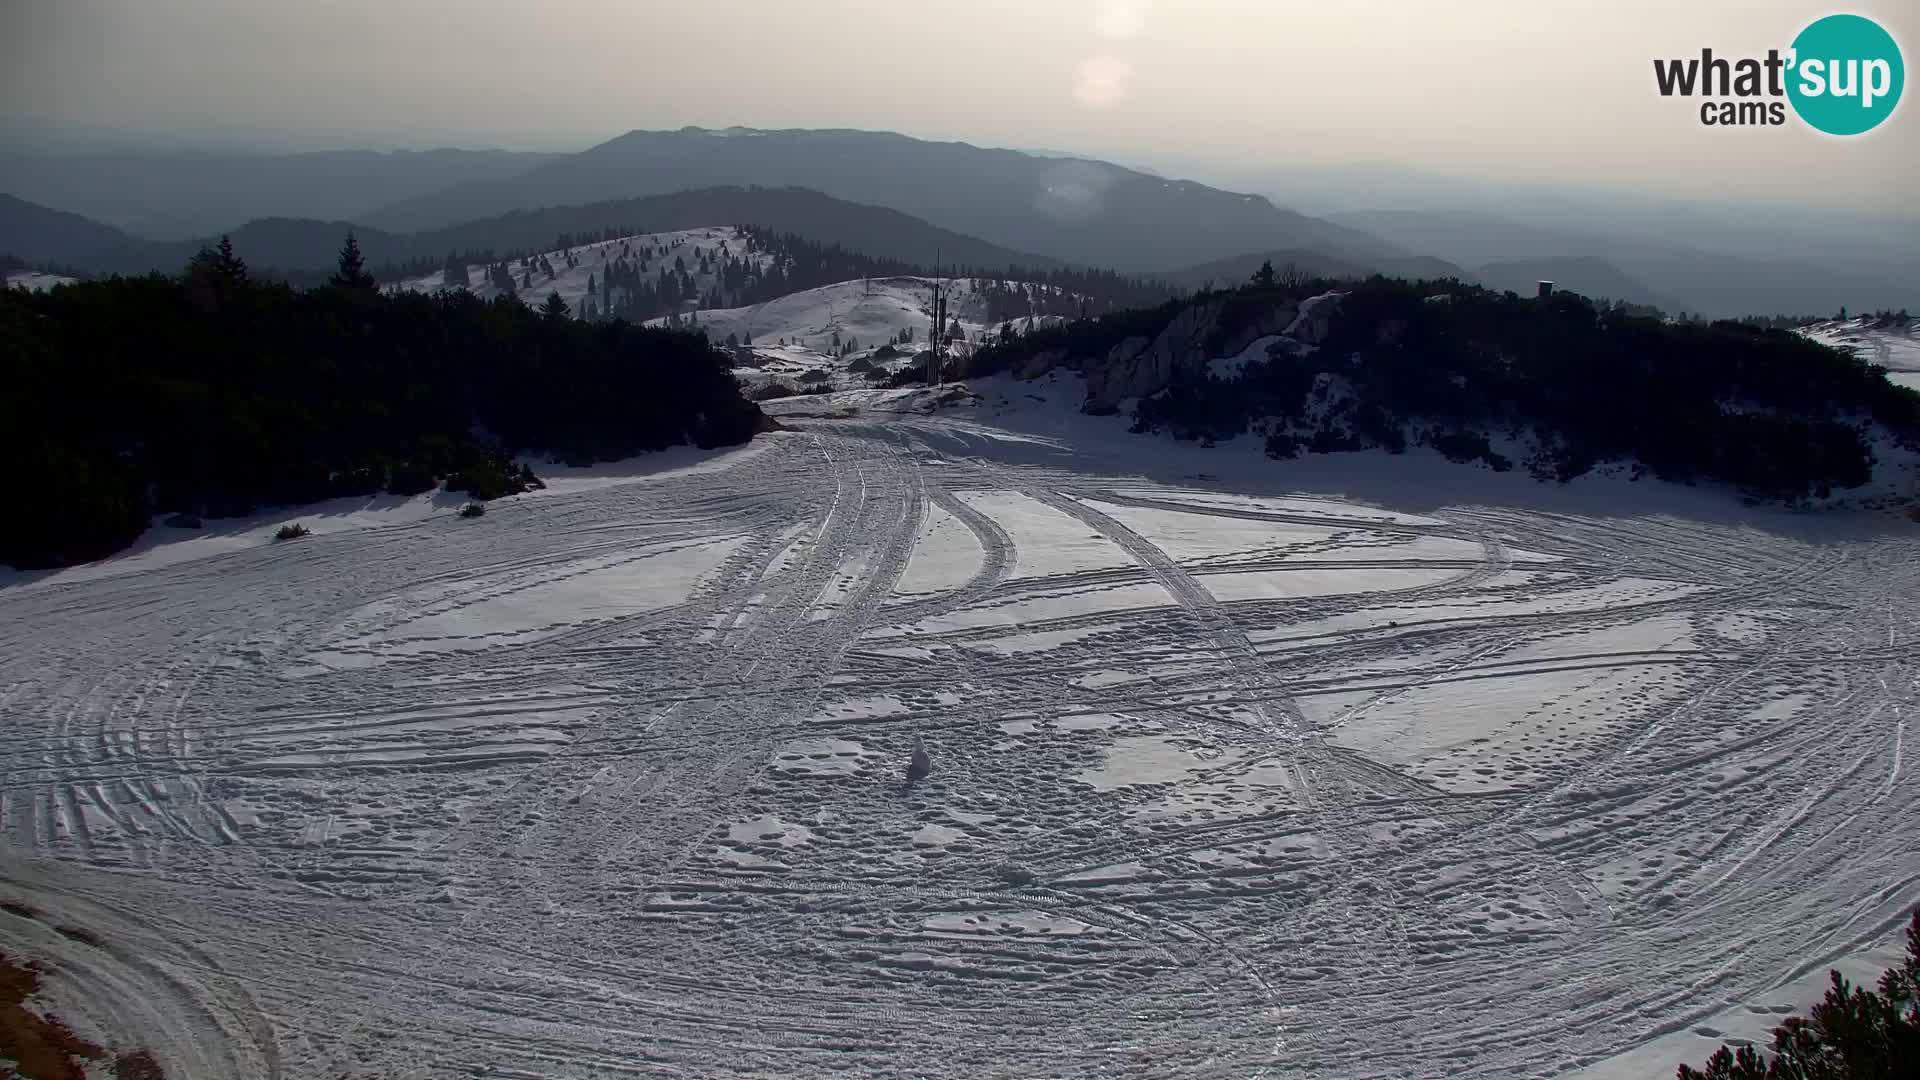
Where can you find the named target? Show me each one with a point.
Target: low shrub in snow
(292, 530)
(473, 510)
(494, 478)
(410, 478)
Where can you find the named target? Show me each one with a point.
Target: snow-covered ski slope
(1354, 767)
(870, 312)
(806, 331)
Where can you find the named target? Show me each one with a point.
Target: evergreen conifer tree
(230, 267)
(352, 273)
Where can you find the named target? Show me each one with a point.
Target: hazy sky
(1530, 90)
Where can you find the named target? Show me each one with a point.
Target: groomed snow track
(612, 783)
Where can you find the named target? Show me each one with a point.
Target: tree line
(215, 393)
(1448, 364)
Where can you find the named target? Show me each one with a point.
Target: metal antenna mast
(939, 320)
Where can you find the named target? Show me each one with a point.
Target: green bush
(410, 478)
(493, 478)
(1853, 1033)
(1461, 447)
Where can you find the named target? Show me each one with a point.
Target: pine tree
(555, 309)
(218, 267)
(230, 267)
(352, 273)
(1852, 1033)
(1264, 277)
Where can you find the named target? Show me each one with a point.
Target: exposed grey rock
(1041, 362)
(1269, 323)
(1122, 372)
(1315, 319)
(1141, 366)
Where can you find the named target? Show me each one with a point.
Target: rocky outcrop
(1122, 373)
(1311, 324)
(1041, 362)
(1138, 366)
(1272, 321)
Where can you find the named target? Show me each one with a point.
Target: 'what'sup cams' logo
(1842, 75)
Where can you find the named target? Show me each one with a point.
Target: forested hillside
(1466, 370)
(213, 393)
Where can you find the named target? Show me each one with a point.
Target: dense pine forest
(1449, 365)
(214, 393)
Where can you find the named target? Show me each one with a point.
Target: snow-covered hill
(836, 327)
(580, 272)
(35, 281)
(867, 313)
(1894, 344)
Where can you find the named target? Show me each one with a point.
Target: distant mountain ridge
(41, 234)
(1730, 284)
(170, 196)
(38, 234)
(1077, 210)
(1235, 270)
(1709, 283)
(1591, 277)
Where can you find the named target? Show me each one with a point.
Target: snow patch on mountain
(579, 272)
(36, 281)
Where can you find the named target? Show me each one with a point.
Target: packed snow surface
(1352, 767)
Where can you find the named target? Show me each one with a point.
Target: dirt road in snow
(1225, 782)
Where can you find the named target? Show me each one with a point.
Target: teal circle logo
(1846, 76)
